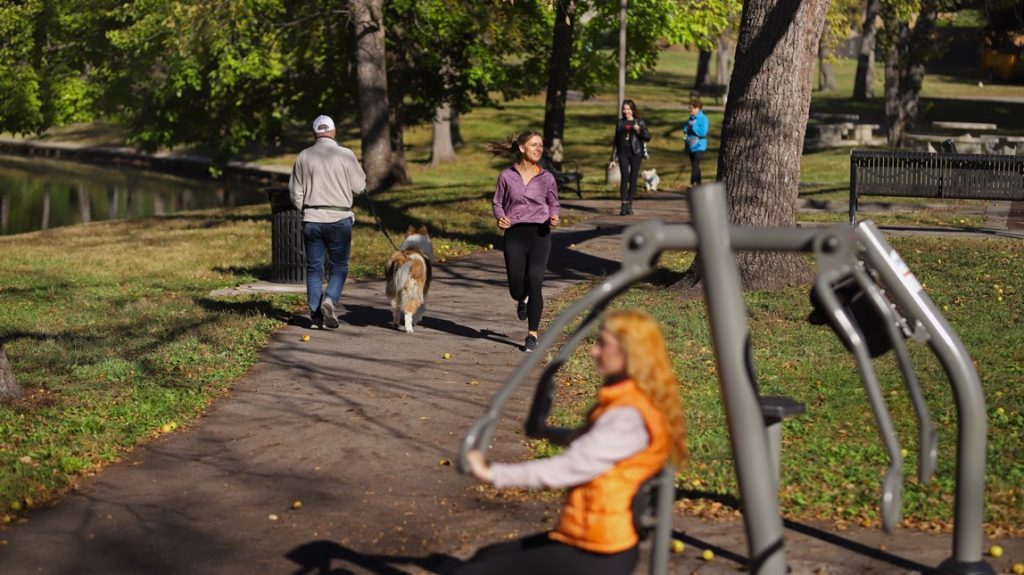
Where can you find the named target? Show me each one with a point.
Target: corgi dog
(408, 275)
(651, 179)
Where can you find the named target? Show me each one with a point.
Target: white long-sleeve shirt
(617, 434)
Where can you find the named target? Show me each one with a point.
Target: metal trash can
(288, 250)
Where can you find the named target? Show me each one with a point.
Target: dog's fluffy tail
(409, 283)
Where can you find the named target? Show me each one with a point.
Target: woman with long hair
(635, 428)
(631, 135)
(526, 207)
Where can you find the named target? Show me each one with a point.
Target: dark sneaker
(316, 321)
(521, 312)
(330, 314)
(531, 344)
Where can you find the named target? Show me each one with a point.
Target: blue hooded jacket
(696, 131)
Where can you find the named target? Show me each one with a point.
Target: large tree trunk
(723, 58)
(703, 69)
(864, 81)
(558, 80)
(371, 75)
(763, 130)
(441, 148)
(9, 388)
(826, 72)
(908, 51)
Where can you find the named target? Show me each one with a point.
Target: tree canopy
(225, 74)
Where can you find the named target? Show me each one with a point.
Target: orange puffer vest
(598, 516)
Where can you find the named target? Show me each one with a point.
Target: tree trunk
(5, 211)
(904, 71)
(894, 127)
(84, 204)
(441, 149)
(456, 129)
(723, 58)
(703, 69)
(558, 81)
(45, 223)
(371, 77)
(864, 81)
(763, 130)
(9, 388)
(826, 72)
(399, 169)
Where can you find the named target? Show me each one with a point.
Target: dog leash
(376, 220)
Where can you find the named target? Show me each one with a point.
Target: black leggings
(695, 158)
(629, 169)
(527, 248)
(539, 555)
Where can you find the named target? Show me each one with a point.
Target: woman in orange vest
(636, 426)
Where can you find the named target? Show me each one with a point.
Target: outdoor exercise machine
(863, 291)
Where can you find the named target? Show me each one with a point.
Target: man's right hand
(504, 223)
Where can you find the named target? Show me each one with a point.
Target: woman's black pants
(539, 555)
(629, 169)
(695, 158)
(527, 248)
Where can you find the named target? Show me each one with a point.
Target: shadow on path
(318, 558)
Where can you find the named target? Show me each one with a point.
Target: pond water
(38, 194)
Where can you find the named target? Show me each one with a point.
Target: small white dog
(408, 275)
(651, 179)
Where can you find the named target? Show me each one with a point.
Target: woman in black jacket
(628, 149)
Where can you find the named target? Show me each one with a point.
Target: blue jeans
(333, 240)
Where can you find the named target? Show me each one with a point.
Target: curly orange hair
(648, 365)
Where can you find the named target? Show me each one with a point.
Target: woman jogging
(526, 206)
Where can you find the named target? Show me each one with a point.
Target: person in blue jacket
(696, 131)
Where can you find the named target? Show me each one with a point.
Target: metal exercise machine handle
(847, 329)
(928, 437)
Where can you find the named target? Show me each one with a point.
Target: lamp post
(622, 57)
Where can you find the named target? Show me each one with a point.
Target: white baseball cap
(323, 124)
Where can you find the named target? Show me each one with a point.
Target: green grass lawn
(110, 328)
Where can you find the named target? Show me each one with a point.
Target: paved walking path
(360, 424)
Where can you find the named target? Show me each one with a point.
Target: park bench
(564, 179)
(716, 91)
(941, 175)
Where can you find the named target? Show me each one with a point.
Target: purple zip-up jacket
(534, 203)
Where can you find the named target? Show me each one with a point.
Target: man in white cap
(324, 181)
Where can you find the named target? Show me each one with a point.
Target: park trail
(361, 425)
